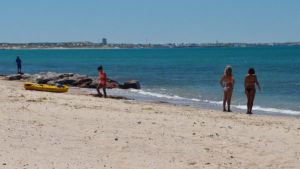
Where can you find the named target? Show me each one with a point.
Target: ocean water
(180, 76)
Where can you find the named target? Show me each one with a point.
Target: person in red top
(102, 81)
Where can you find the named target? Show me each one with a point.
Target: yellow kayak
(46, 88)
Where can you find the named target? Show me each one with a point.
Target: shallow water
(181, 76)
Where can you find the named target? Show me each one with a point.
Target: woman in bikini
(250, 90)
(227, 83)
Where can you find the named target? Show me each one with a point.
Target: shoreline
(146, 96)
(206, 104)
(80, 131)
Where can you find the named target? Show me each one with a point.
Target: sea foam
(194, 101)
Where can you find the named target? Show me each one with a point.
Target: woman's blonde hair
(228, 70)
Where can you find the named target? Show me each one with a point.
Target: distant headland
(92, 45)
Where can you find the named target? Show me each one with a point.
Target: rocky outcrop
(72, 79)
(14, 77)
(18, 77)
(132, 84)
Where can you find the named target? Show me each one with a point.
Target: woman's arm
(257, 83)
(221, 81)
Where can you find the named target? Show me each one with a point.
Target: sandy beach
(49, 130)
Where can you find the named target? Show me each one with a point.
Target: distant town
(105, 45)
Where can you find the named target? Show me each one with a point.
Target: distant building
(104, 41)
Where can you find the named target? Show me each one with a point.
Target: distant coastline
(91, 45)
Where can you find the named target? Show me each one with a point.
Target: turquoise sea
(180, 76)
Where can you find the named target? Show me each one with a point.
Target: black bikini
(250, 89)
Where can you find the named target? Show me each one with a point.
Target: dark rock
(84, 85)
(64, 75)
(26, 76)
(18, 77)
(70, 82)
(111, 84)
(43, 81)
(93, 85)
(14, 77)
(83, 82)
(132, 84)
(44, 78)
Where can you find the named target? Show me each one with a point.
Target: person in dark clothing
(19, 65)
(250, 90)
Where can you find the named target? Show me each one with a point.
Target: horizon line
(216, 42)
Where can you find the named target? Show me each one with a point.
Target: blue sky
(150, 21)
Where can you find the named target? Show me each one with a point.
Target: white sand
(49, 130)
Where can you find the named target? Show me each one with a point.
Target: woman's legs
(229, 95)
(227, 99)
(252, 96)
(224, 100)
(248, 100)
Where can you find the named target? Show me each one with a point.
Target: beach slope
(50, 130)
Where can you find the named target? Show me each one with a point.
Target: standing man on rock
(102, 82)
(19, 65)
